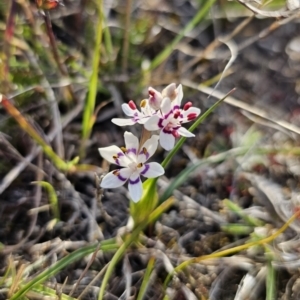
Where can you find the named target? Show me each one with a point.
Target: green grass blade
(43, 292)
(64, 262)
(271, 280)
(181, 178)
(107, 38)
(88, 120)
(168, 50)
(52, 197)
(146, 279)
(239, 211)
(237, 229)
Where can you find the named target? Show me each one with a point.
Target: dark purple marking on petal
(147, 167)
(146, 153)
(116, 157)
(165, 130)
(160, 123)
(134, 181)
(131, 150)
(121, 178)
(168, 114)
(176, 107)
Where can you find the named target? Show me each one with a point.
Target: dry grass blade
(241, 105)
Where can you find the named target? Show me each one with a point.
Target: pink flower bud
(155, 98)
(187, 105)
(132, 105)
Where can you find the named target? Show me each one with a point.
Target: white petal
(184, 132)
(152, 123)
(115, 178)
(166, 106)
(143, 120)
(167, 140)
(135, 187)
(127, 110)
(148, 149)
(169, 91)
(186, 113)
(147, 111)
(131, 144)
(110, 152)
(179, 95)
(152, 170)
(155, 98)
(123, 122)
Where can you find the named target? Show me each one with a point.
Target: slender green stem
(131, 238)
(93, 85)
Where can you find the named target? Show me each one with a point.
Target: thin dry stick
(103, 270)
(58, 140)
(267, 31)
(14, 172)
(85, 270)
(272, 14)
(216, 43)
(239, 104)
(36, 204)
(98, 196)
(62, 68)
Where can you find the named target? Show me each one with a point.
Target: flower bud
(187, 105)
(170, 92)
(155, 98)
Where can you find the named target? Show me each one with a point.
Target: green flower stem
(192, 128)
(140, 211)
(131, 238)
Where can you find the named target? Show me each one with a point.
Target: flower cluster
(160, 112)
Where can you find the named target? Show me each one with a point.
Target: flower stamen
(132, 105)
(124, 150)
(116, 172)
(143, 103)
(187, 105)
(192, 116)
